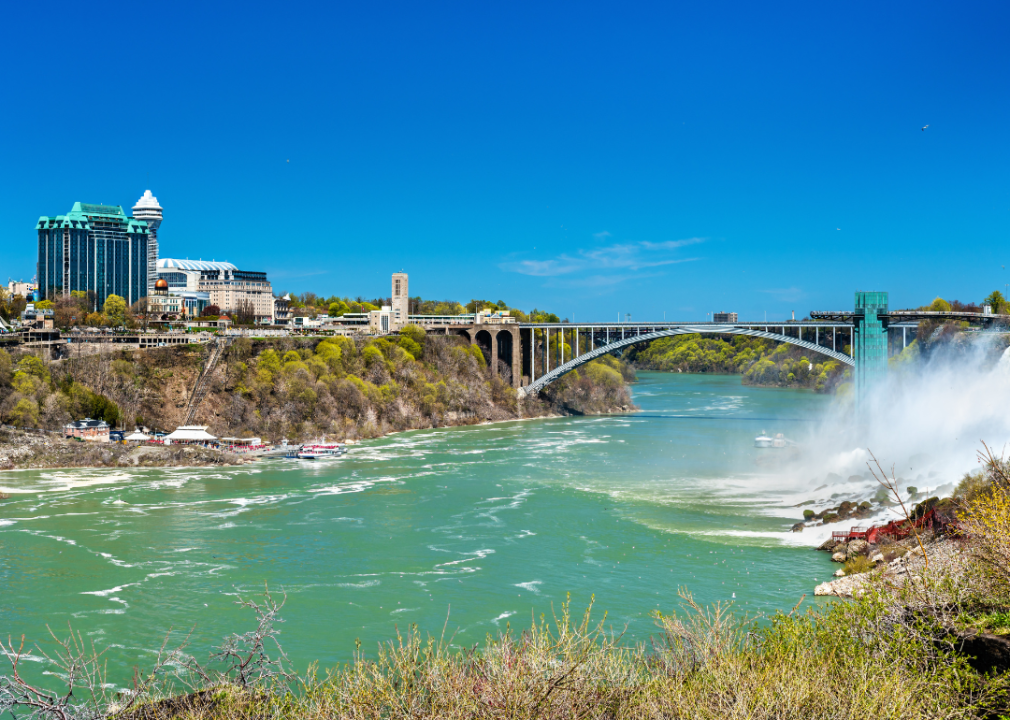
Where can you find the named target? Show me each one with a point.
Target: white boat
(763, 441)
(320, 452)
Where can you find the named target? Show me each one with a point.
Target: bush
(808, 514)
(986, 519)
(857, 565)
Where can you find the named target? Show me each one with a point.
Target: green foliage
(26, 384)
(939, 305)
(83, 402)
(846, 661)
(371, 354)
(808, 514)
(996, 300)
(25, 413)
(858, 564)
(603, 375)
(411, 347)
(761, 362)
(269, 361)
(115, 310)
(435, 307)
(33, 365)
(542, 316)
(44, 305)
(6, 368)
(415, 333)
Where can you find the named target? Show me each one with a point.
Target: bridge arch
(541, 382)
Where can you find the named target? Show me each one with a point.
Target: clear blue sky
(588, 158)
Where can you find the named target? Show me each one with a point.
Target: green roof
(87, 209)
(78, 217)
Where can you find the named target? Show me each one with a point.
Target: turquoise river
(489, 524)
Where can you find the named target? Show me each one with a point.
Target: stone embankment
(893, 563)
(21, 449)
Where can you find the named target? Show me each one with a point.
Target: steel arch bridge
(715, 329)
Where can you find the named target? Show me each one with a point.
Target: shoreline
(243, 459)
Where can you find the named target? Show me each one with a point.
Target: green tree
(939, 305)
(44, 305)
(25, 413)
(115, 310)
(997, 301)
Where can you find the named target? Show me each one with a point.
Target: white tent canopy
(137, 435)
(190, 433)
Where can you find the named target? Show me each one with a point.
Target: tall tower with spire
(148, 209)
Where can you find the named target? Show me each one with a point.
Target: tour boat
(318, 452)
(763, 441)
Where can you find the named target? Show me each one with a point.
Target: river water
(490, 524)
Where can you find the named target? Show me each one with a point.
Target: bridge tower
(869, 343)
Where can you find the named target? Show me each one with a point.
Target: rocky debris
(846, 587)
(847, 510)
(32, 449)
(945, 560)
(798, 527)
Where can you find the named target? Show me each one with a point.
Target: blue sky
(589, 158)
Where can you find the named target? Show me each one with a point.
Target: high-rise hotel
(93, 247)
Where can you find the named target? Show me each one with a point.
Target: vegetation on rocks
(298, 388)
(761, 362)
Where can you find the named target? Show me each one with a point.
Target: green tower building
(96, 248)
(869, 342)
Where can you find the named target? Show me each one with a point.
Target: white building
(24, 289)
(148, 209)
(228, 286)
(383, 321)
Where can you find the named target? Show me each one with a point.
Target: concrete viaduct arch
(501, 344)
(541, 382)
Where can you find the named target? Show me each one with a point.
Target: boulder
(838, 557)
(824, 589)
(798, 527)
(827, 546)
(878, 558)
(986, 653)
(839, 573)
(856, 548)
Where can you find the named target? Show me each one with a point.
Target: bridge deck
(708, 325)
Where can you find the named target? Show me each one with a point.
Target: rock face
(856, 548)
(839, 557)
(986, 653)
